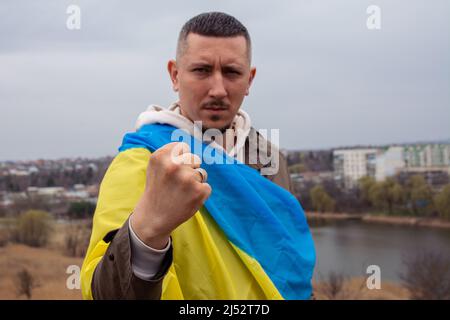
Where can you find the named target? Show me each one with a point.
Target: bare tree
(76, 240)
(4, 237)
(25, 283)
(337, 286)
(427, 276)
(334, 286)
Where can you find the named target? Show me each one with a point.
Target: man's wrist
(150, 239)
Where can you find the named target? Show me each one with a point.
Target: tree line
(411, 197)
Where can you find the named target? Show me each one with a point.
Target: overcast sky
(323, 78)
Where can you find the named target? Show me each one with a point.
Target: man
(171, 224)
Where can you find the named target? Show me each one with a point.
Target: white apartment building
(352, 164)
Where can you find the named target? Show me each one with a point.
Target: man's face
(212, 76)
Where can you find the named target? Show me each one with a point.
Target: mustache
(215, 104)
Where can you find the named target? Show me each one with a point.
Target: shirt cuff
(145, 260)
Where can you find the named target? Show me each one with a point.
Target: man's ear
(250, 80)
(173, 73)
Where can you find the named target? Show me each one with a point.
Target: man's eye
(233, 72)
(200, 70)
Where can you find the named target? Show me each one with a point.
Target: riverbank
(372, 218)
(355, 288)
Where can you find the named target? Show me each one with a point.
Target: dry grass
(47, 266)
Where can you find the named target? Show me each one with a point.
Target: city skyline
(333, 148)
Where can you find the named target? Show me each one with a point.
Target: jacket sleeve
(114, 278)
(106, 272)
(283, 178)
(265, 157)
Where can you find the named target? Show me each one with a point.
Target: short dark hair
(213, 24)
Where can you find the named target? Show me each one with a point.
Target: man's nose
(217, 89)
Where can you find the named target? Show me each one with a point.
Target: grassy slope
(47, 266)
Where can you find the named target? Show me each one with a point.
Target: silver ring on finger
(203, 174)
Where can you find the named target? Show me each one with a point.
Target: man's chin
(219, 124)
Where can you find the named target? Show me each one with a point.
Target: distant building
(80, 192)
(427, 155)
(301, 179)
(430, 160)
(18, 172)
(389, 162)
(46, 192)
(13, 197)
(352, 164)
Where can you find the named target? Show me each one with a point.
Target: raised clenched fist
(174, 191)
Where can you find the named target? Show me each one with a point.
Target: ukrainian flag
(250, 240)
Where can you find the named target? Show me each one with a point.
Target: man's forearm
(145, 261)
(114, 277)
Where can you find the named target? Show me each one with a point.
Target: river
(349, 247)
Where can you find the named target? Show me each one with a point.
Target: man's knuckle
(170, 168)
(198, 191)
(185, 181)
(196, 159)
